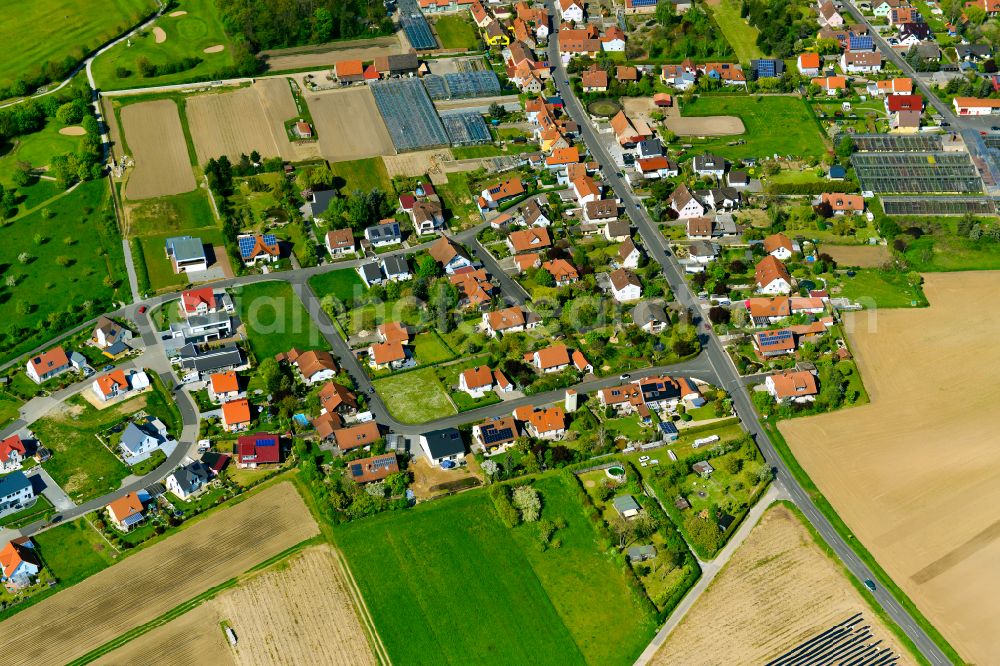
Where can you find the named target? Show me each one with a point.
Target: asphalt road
(723, 368)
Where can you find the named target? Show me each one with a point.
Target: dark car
(870, 584)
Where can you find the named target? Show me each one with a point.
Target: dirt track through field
(298, 612)
(153, 581)
(777, 591)
(367, 49)
(155, 137)
(702, 126)
(916, 473)
(862, 256)
(349, 124)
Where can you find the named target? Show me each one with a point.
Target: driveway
(46, 486)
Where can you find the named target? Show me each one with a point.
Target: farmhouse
(785, 387)
(443, 448)
(47, 365)
(495, 436)
(19, 563)
(126, 512)
(257, 449)
(186, 254)
(375, 468)
(349, 71)
(772, 277)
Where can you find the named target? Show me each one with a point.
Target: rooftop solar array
(860, 43)
(247, 243)
(466, 127)
(939, 205)
(644, 3)
(413, 23)
(493, 435)
(769, 338)
(902, 173)
(409, 114)
(896, 143)
(768, 68)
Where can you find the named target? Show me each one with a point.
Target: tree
(426, 267)
(526, 499)
(70, 113)
(544, 278)
(623, 529)
(845, 147)
(666, 13)
(498, 111)
(718, 315)
(322, 24)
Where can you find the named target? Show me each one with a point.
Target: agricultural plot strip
(232, 123)
(150, 583)
(155, 137)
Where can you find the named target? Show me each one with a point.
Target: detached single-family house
(501, 192)
(550, 359)
(16, 492)
(140, 439)
(340, 242)
(772, 277)
(313, 365)
(509, 320)
(809, 64)
(236, 415)
(444, 447)
(562, 271)
(47, 365)
(110, 386)
(629, 255)
(258, 449)
(19, 563)
(375, 468)
(844, 204)
(358, 436)
(709, 165)
(495, 436)
(685, 204)
(12, 454)
(625, 285)
(571, 11)
(223, 387)
(477, 381)
(258, 248)
(829, 16)
(779, 246)
(384, 233)
(594, 79)
(861, 62)
(831, 84)
(395, 268)
(528, 240)
(541, 422)
(427, 217)
(650, 317)
(188, 479)
(785, 387)
(452, 257)
(533, 214)
(186, 254)
(384, 355)
(108, 333)
(126, 512)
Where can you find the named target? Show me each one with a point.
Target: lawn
(345, 285)
(415, 397)
(365, 175)
(456, 32)
(799, 136)
(187, 37)
(490, 150)
(40, 510)
(37, 33)
(9, 407)
(945, 251)
(181, 214)
(37, 149)
(627, 427)
(60, 259)
(741, 35)
(73, 551)
(457, 199)
(875, 288)
(426, 571)
(276, 320)
(430, 348)
(161, 273)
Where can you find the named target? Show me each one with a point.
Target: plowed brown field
(862, 256)
(777, 591)
(230, 124)
(349, 124)
(155, 137)
(151, 582)
(193, 639)
(916, 473)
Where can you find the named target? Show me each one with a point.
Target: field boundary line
(362, 609)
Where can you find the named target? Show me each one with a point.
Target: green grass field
(451, 563)
(179, 214)
(37, 149)
(456, 32)
(429, 349)
(276, 320)
(882, 289)
(741, 35)
(945, 251)
(34, 33)
(161, 273)
(415, 397)
(364, 175)
(73, 551)
(799, 136)
(345, 285)
(74, 256)
(187, 37)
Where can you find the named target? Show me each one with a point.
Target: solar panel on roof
(496, 434)
(132, 519)
(860, 43)
(644, 3)
(246, 245)
(356, 469)
(774, 338)
(383, 463)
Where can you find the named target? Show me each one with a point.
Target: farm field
(741, 35)
(349, 124)
(863, 256)
(930, 524)
(416, 396)
(184, 36)
(59, 277)
(276, 320)
(181, 214)
(943, 250)
(157, 579)
(296, 612)
(156, 140)
(779, 590)
(566, 605)
(35, 33)
(800, 135)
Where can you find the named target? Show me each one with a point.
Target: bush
(527, 501)
(141, 272)
(501, 502)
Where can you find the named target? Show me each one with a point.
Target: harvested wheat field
(702, 126)
(146, 585)
(349, 124)
(230, 124)
(916, 473)
(296, 612)
(777, 591)
(155, 137)
(193, 639)
(862, 256)
(279, 106)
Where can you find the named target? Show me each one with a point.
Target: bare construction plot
(299, 613)
(862, 256)
(702, 126)
(155, 137)
(326, 55)
(916, 473)
(148, 584)
(777, 591)
(349, 124)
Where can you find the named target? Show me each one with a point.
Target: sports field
(447, 583)
(35, 33)
(38, 149)
(916, 473)
(155, 136)
(349, 124)
(779, 590)
(416, 396)
(190, 27)
(157, 579)
(276, 320)
(799, 135)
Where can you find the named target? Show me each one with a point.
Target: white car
(654, 461)
(643, 459)
(642, 464)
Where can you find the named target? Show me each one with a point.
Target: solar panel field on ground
(466, 127)
(409, 114)
(939, 205)
(901, 173)
(413, 23)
